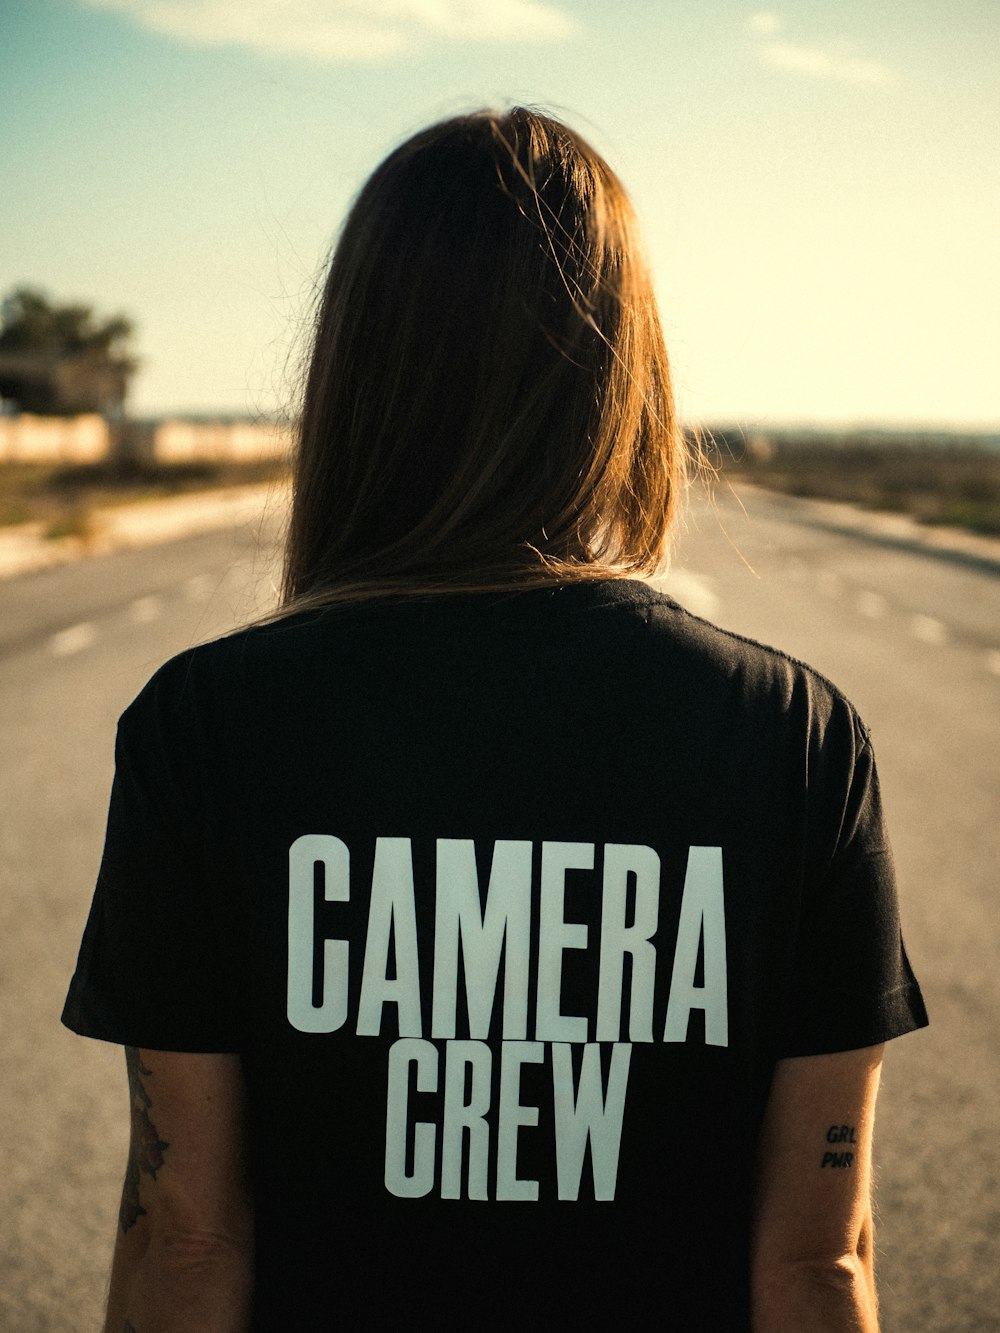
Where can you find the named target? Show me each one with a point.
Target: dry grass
(958, 485)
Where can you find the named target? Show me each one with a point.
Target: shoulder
(765, 681)
(220, 668)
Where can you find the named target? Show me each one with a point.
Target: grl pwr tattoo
(839, 1134)
(146, 1148)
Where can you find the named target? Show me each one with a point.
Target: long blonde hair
(488, 403)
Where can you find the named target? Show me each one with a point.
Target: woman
(492, 940)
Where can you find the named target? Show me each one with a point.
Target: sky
(818, 182)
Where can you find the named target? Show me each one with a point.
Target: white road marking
(691, 590)
(871, 604)
(928, 630)
(198, 587)
(72, 640)
(145, 609)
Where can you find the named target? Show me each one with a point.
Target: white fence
(181, 441)
(31, 439)
(91, 439)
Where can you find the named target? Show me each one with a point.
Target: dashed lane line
(929, 630)
(871, 604)
(141, 611)
(690, 588)
(145, 609)
(72, 640)
(199, 586)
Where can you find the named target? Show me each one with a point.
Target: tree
(59, 360)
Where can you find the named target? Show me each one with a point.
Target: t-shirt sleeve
(851, 982)
(153, 969)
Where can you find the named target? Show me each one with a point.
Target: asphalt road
(913, 639)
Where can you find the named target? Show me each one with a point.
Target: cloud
(821, 63)
(836, 62)
(344, 31)
(765, 23)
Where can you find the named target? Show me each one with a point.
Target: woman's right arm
(813, 1262)
(183, 1260)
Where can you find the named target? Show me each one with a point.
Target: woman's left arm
(183, 1259)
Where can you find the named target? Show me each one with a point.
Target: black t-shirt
(509, 904)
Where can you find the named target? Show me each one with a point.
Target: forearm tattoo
(146, 1148)
(840, 1135)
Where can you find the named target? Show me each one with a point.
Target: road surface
(913, 639)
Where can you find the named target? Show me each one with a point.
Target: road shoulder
(26, 548)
